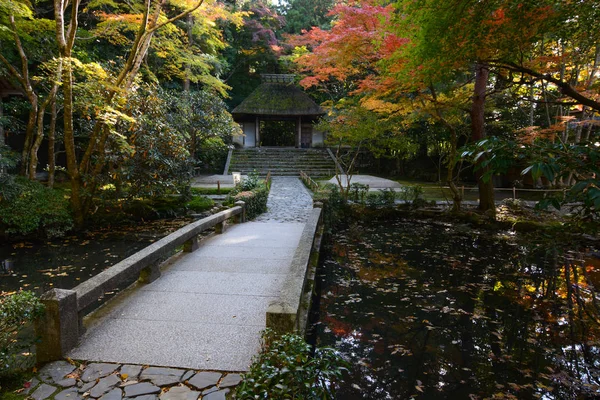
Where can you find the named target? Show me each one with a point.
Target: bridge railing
(61, 326)
(289, 312)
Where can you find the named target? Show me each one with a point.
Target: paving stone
(68, 394)
(230, 380)
(218, 395)
(98, 370)
(209, 390)
(67, 383)
(55, 371)
(187, 376)
(203, 380)
(180, 393)
(132, 371)
(141, 389)
(32, 385)
(87, 386)
(167, 380)
(144, 397)
(43, 392)
(162, 371)
(288, 201)
(104, 385)
(114, 394)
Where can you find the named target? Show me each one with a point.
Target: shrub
(388, 196)
(285, 369)
(358, 192)
(412, 194)
(200, 203)
(334, 205)
(17, 311)
(256, 200)
(250, 182)
(35, 209)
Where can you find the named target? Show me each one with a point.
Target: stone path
(62, 380)
(208, 308)
(289, 201)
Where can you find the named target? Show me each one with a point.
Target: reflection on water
(434, 311)
(64, 263)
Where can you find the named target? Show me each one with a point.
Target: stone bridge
(200, 309)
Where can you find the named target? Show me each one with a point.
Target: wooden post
(299, 132)
(514, 193)
(257, 133)
(462, 190)
(218, 187)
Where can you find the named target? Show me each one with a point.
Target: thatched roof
(278, 95)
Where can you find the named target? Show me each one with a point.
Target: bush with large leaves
(17, 311)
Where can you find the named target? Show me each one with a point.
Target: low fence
(61, 326)
(289, 312)
(309, 182)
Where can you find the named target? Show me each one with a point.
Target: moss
(278, 99)
(200, 203)
(527, 226)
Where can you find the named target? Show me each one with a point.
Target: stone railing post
(150, 273)
(58, 328)
(241, 218)
(220, 228)
(281, 317)
(191, 245)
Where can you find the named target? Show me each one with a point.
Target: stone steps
(283, 162)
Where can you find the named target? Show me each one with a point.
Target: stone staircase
(283, 162)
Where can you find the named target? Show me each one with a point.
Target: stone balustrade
(290, 311)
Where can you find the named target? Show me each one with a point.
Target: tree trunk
(29, 132)
(52, 144)
(65, 38)
(39, 136)
(188, 68)
(486, 188)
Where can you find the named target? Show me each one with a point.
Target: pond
(64, 263)
(434, 310)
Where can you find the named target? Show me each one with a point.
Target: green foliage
(149, 158)
(255, 199)
(200, 203)
(251, 182)
(358, 191)
(17, 312)
(555, 161)
(412, 194)
(203, 117)
(34, 209)
(286, 369)
(334, 205)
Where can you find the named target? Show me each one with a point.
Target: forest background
(127, 97)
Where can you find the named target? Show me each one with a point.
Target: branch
(24, 62)
(177, 17)
(564, 87)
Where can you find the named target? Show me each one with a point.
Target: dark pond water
(64, 263)
(433, 311)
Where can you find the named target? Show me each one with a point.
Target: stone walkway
(205, 312)
(62, 380)
(289, 201)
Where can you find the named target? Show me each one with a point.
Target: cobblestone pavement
(62, 380)
(289, 201)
